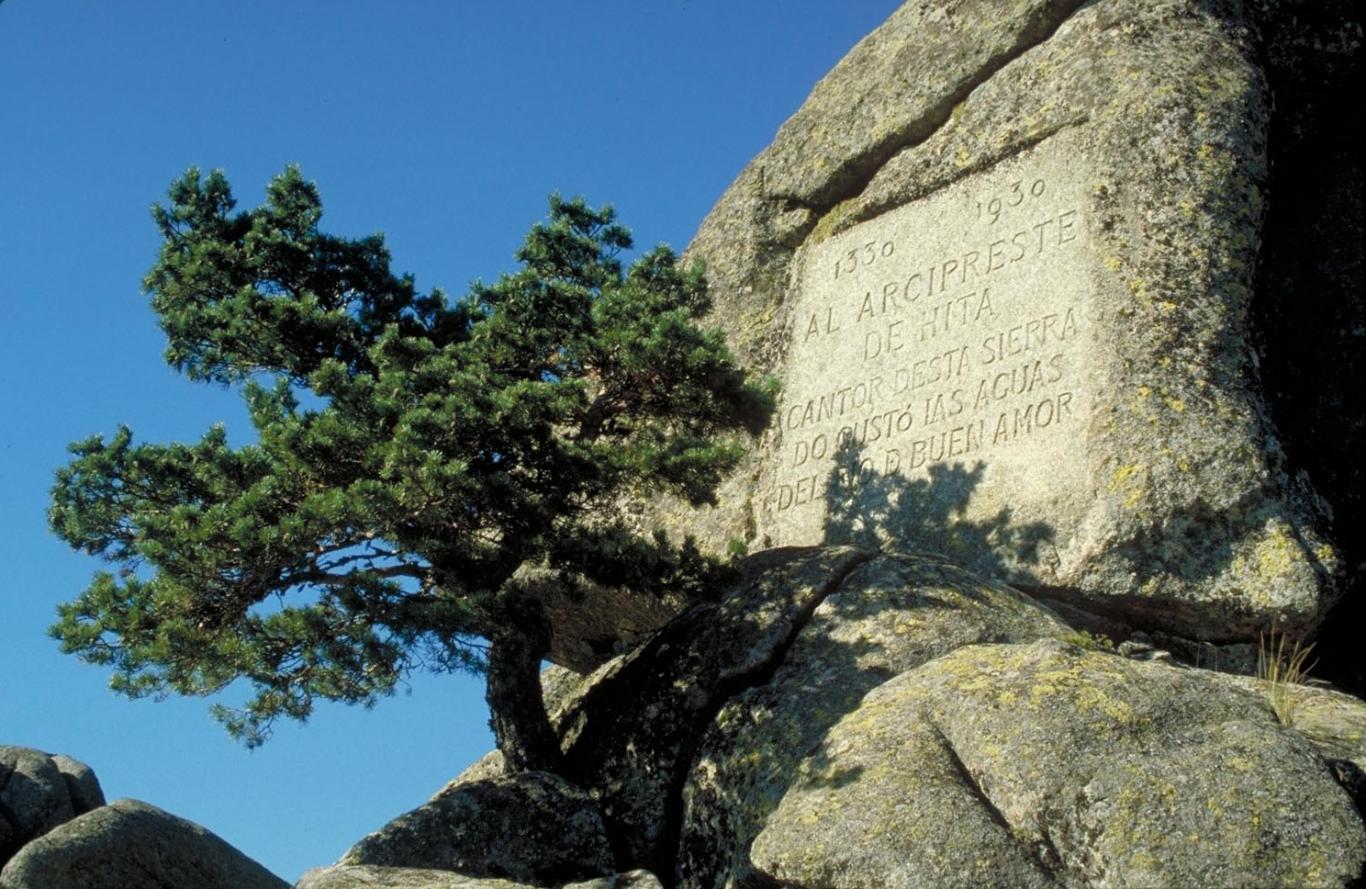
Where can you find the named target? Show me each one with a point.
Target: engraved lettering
(948, 331)
(1066, 222)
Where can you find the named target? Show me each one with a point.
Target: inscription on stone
(950, 332)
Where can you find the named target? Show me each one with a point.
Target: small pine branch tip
(378, 526)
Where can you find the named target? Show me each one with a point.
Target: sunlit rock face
(1002, 262)
(1045, 765)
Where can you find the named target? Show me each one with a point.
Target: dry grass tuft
(1280, 666)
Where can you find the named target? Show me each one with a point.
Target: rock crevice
(1033, 25)
(635, 730)
(759, 676)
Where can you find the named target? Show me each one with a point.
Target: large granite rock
(39, 792)
(889, 615)
(1002, 261)
(131, 845)
(1009, 765)
(531, 827)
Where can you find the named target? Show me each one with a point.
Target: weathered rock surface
(39, 792)
(636, 879)
(632, 734)
(1003, 260)
(1335, 723)
(81, 783)
(889, 615)
(1043, 764)
(533, 827)
(132, 845)
(597, 622)
(365, 876)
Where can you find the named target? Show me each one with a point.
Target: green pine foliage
(377, 525)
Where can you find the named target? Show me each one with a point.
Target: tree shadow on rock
(868, 508)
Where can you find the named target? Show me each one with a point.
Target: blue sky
(444, 125)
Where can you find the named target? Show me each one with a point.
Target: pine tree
(413, 453)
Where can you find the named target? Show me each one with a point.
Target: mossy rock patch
(1067, 765)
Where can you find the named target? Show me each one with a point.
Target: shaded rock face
(39, 792)
(1003, 261)
(1046, 765)
(531, 827)
(132, 845)
(633, 733)
(595, 622)
(1310, 311)
(889, 615)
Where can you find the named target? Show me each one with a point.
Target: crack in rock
(763, 674)
(854, 173)
(643, 722)
(869, 207)
(1042, 852)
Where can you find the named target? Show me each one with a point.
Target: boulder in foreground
(532, 827)
(890, 614)
(132, 845)
(1018, 765)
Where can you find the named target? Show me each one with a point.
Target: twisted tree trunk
(519, 720)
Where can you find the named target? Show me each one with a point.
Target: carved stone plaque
(1005, 276)
(945, 343)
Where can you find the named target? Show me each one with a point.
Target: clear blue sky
(443, 125)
